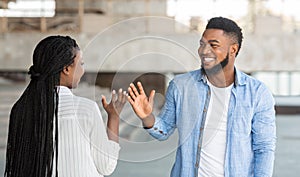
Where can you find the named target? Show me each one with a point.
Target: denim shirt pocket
(242, 118)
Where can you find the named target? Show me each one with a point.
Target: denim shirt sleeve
(165, 122)
(264, 134)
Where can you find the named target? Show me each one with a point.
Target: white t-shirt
(84, 149)
(214, 138)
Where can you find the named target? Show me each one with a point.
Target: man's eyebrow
(213, 40)
(210, 41)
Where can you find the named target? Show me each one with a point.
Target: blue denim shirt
(251, 130)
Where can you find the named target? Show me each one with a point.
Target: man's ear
(233, 49)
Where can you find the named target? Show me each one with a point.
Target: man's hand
(141, 104)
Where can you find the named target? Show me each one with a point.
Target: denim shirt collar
(239, 78)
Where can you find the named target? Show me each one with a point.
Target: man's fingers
(133, 88)
(141, 89)
(131, 93)
(151, 97)
(130, 100)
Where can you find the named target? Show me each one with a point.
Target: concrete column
(43, 24)
(4, 21)
(80, 14)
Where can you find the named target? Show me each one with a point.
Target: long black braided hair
(33, 119)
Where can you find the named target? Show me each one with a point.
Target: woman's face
(77, 69)
(72, 74)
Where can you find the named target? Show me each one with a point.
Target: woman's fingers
(120, 95)
(124, 97)
(113, 96)
(103, 100)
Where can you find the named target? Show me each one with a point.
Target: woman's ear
(66, 70)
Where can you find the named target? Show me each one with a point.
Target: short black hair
(229, 27)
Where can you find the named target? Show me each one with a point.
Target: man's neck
(224, 78)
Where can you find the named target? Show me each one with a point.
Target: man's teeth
(209, 59)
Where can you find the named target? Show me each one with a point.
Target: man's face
(214, 50)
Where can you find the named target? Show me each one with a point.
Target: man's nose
(205, 49)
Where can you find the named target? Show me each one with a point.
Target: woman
(51, 131)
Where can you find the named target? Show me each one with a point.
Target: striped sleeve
(104, 151)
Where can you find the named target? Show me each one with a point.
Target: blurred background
(151, 41)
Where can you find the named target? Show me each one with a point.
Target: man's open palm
(141, 104)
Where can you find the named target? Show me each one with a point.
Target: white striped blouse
(84, 149)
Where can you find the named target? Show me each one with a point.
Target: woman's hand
(116, 104)
(113, 110)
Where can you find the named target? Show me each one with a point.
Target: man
(225, 118)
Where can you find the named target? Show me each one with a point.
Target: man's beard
(217, 68)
